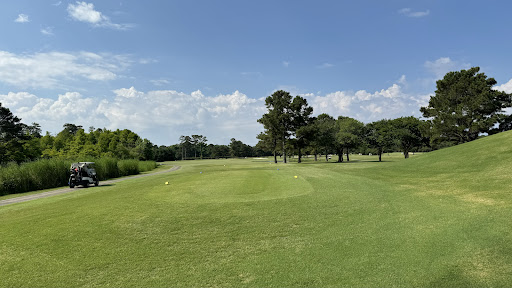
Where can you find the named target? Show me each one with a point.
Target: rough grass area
(51, 173)
(440, 219)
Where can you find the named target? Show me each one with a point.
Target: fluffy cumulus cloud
(163, 115)
(51, 114)
(167, 114)
(85, 12)
(507, 87)
(366, 106)
(52, 69)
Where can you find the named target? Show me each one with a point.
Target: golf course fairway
(439, 219)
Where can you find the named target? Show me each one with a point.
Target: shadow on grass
(104, 185)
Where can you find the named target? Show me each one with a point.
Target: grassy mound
(438, 219)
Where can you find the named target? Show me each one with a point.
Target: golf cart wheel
(97, 182)
(86, 184)
(71, 185)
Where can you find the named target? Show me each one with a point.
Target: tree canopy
(464, 106)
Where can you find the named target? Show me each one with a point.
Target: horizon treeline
(465, 107)
(23, 143)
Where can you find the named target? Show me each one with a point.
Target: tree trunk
(406, 154)
(300, 155)
(275, 157)
(316, 159)
(326, 157)
(348, 159)
(284, 151)
(380, 156)
(340, 155)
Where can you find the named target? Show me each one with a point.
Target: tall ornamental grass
(51, 173)
(128, 167)
(147, 166)
(106, 168)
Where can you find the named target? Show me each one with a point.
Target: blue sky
(168, 68)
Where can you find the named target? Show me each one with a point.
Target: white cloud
(402, 80)
(53, 69)
(163, 115)
(332, 103)
(128, 93)
(414, 14)
(325, 65)
(373, 108)
(386, 103)
(147, 61)
(286, 64)
(175, 113)
(160, 82)
(47, 31)
(507, 87)
(51, 114)
(22, 18)
(444, 65)
(85, 12)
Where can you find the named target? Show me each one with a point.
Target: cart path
(67, 190)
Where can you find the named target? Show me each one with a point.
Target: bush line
(52, 173)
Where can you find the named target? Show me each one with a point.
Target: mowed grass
(440, 219)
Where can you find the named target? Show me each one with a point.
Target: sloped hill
(491, 152)
(478, 171)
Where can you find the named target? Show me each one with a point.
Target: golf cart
(83, 173)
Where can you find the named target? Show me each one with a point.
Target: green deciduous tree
(300, 123)
(13, 137)
(407, 133)
(267, 143)
(464, 106)
(379, 135)
(325, 126)
(277, 121)
(349, 134)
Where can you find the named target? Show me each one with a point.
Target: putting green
(230, 185)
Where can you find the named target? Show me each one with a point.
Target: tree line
(465, 106)
(196, 147)
(22, 143)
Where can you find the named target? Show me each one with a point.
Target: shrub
(128, 167)
(147, 165)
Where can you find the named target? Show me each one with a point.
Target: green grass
(440, 219)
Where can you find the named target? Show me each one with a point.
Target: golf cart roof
(81, 164)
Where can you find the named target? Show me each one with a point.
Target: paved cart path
(67, 190)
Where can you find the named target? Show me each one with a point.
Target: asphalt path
(67, 190)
